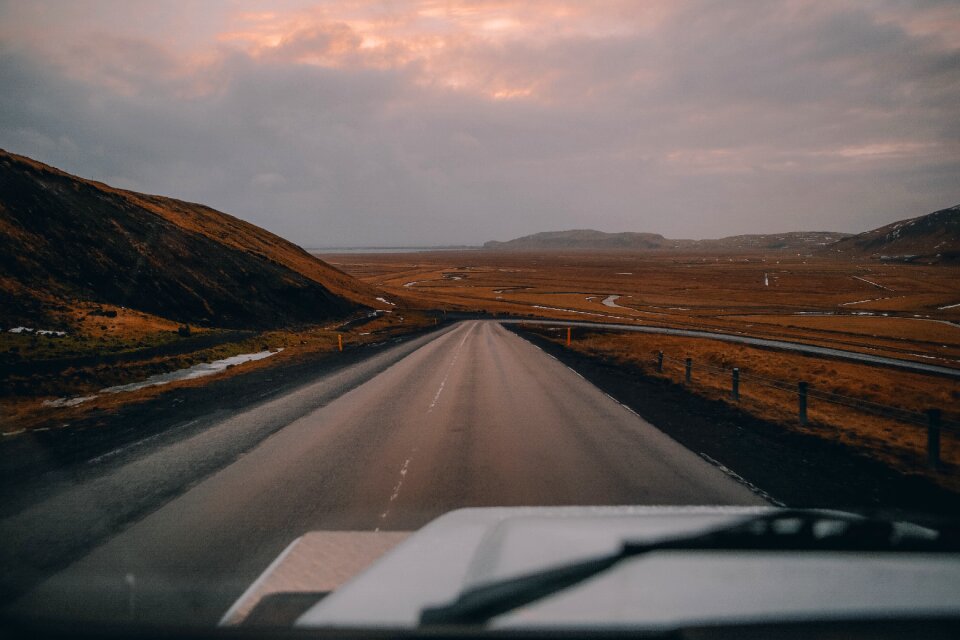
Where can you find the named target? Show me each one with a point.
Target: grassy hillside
(933, 237)
(65, 240)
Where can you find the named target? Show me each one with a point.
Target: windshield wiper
(779, 531)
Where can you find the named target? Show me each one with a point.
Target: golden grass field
(887, 309)
(893, 309)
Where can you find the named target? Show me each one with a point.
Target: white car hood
(664, 589)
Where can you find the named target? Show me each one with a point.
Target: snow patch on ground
(949, 306)
(849, 304)
(585, 313)
(39, 332)
(67, 402)
(870, 282)
(385, 301)
(196, 371)
(611, 301)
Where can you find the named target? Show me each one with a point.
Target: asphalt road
(474, 416)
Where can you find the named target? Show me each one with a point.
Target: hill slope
(591, 239)
(582, 239)
(65, 239)
(935, 236)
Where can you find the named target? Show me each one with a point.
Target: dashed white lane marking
(396, 489)
(443, 383)
(749, 485)
(437, 396)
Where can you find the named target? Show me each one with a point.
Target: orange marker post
(340, 342)
(568, 336)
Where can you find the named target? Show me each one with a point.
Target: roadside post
(689, 366)
(933, 438)
(659, 361)
(340, 342)
(802, 402)
(568, 336)
(735, 391)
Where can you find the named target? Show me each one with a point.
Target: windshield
(282, 284)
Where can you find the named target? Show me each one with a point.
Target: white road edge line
(749, 485)
(577, 373)
(443, 382)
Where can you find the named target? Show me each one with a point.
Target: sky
(349, 123)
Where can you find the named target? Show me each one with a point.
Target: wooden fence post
(933, 438)
(802, 401)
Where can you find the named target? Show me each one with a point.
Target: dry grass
(224, 229)
(753, 294)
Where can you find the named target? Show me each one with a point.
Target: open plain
(908, 311)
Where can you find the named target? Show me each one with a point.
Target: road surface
(476, 416)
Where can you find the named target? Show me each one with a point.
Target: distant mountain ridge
(592, 239)
(63, 238)
(934, 237)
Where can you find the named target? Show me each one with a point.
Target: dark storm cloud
(429, 126)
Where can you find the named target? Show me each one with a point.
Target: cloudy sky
(427, 122)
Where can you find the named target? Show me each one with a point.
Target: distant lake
(341, 250)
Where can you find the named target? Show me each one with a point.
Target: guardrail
(807, 395)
